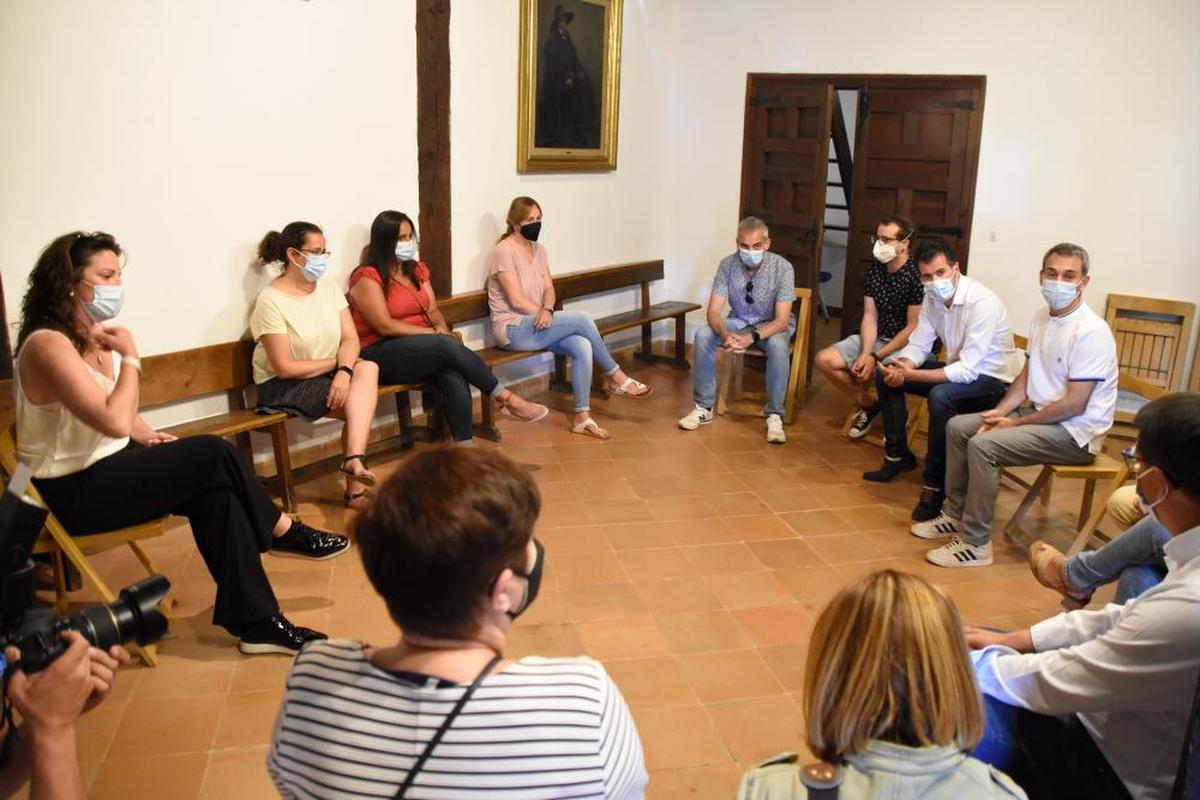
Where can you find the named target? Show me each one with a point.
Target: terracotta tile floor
(692, 564)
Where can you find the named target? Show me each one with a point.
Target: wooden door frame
(857, 81)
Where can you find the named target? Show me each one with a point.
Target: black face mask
(533, 580)
(531, 230)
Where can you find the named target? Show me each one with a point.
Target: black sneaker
(891, 468)
(862, 422)
(930, 504)
(301, 541)
(276, 635)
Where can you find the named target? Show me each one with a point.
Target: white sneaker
(957, 553)
(939, 527)
(775, 434)
(698, 416)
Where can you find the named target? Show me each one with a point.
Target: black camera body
(37, 632)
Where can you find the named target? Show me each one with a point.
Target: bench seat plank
(655, 313)
(229, 424)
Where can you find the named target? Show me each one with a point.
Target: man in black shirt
(892, 297)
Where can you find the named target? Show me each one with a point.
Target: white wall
(1089, 130)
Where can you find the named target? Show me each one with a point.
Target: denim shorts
(850, 348)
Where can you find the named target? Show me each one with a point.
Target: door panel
(785, 153)
(915, 154)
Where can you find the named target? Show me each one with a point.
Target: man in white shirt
(981, 362)
(1070, 380)
(1124, 676)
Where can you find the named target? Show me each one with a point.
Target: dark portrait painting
(569, 85)
(569, 73)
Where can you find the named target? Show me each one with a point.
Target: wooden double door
(915, 153)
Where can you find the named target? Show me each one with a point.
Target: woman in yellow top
(306, 361)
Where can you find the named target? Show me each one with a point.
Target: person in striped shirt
(448, 543)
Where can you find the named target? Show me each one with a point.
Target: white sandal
(641, 389)
(589, 428)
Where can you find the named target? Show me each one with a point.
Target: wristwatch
(755, 335)
(343, 368)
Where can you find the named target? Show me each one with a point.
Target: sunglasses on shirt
(749, 293)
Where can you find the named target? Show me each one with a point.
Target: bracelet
(132, 361)
(343, 368)
(547, 309)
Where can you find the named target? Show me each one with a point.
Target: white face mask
(106, 301)
(940, 289)
(1059, 294)
(884, 253)
(1146, 503)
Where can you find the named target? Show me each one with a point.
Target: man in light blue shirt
(758, 287)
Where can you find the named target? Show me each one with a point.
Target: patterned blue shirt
(773, 282)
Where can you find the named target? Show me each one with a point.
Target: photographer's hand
(50, 701)
(104, 672)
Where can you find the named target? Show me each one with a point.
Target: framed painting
(569, 85)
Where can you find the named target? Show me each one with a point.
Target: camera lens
(133, 616)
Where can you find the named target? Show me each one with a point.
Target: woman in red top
(402, 330)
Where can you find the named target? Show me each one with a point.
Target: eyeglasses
(749, 293)
(888, 239)
(1133, 462)
(325, 253)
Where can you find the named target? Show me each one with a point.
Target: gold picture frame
(567, 117)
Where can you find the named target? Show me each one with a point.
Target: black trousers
(203, 478)
(443, 361)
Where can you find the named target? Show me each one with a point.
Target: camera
(37, 632)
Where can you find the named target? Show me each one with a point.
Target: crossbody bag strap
(420, 305)
(437, 737)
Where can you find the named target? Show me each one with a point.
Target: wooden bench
(471, 306)
(226, 367)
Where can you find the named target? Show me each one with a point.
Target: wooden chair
(56, 542)
(1152, 337)
(797, 386)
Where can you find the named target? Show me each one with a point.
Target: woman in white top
(100, 467)
(306, 361)
(890, 697)
(449, 545)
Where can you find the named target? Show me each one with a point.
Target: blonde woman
(890, 694)
(521, 298)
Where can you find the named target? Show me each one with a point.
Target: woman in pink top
(521, 297)
(402, 330)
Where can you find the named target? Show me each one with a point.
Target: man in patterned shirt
(892, 297)
(758, 287)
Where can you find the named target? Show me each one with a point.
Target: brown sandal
(365, 478)
(1048, 565)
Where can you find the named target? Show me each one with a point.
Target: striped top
(540, 728)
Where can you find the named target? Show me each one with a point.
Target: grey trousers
(974, 459)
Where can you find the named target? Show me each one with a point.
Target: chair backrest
(1152, 337)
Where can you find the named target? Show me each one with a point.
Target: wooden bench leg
(283, 466)
(679, 360)
(435, 418)
(558, 381)
(1030, 496)
(404, 419)
(487, 424)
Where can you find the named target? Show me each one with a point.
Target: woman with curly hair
(100, 466)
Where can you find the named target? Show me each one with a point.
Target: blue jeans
(1135, 557)
(946, 400)
(571, 334)
(704, 354)
(1049, 757)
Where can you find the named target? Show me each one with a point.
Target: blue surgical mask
(106, 301)
(314, 266)
(940, 289)
(1059, 294)
(406, 251)
(751, 258)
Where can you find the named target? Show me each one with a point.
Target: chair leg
(1093, 522)
(1085, 507)
(168, 601)
(60, 582)
(1030, 496)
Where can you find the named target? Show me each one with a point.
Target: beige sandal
(631, 387)
(538, 415)
(589, 428)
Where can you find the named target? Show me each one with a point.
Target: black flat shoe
(930, 504)
(276, 635)
(301, 541)
(890, 469)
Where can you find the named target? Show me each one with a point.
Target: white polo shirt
(1075, 347)
(975, 331)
